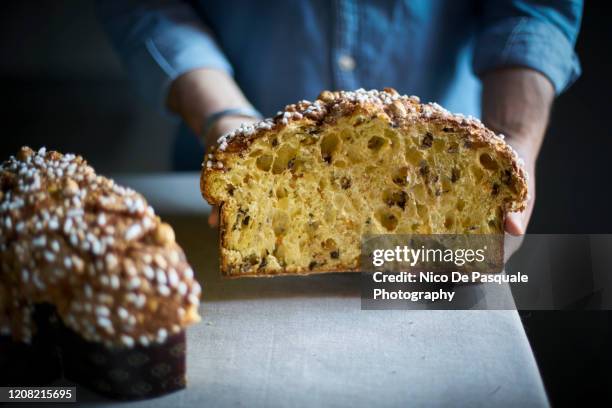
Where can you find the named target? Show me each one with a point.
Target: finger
(213, 218)
(515, 223)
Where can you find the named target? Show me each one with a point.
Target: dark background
(574, 349)
(63, 87)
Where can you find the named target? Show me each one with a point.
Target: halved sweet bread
(298, 192)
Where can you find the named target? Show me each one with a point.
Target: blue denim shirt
(280, 52)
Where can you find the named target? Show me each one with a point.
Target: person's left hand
(516, 101)
(516, 222)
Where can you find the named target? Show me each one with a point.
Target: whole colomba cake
(297, 192)
(88, 261)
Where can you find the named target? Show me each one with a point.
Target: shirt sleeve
(538, 34)
(159, 41)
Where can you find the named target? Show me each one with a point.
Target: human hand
(199, 94)
(517, 222)
(516, 101)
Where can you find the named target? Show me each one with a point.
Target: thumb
(213, 218)
(515, 223)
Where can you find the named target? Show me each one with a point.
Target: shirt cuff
(165, 56)
(525, 41)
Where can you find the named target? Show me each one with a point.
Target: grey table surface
(305, 342)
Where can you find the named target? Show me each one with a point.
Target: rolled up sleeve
(158, 41)
(536, 34)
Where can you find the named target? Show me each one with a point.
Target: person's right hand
(224, 125)
(200, 93)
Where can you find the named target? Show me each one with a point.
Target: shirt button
(346, 62)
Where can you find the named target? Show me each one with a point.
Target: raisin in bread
(297, 192)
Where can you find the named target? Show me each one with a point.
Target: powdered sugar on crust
(401, 105)
(86, 245)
